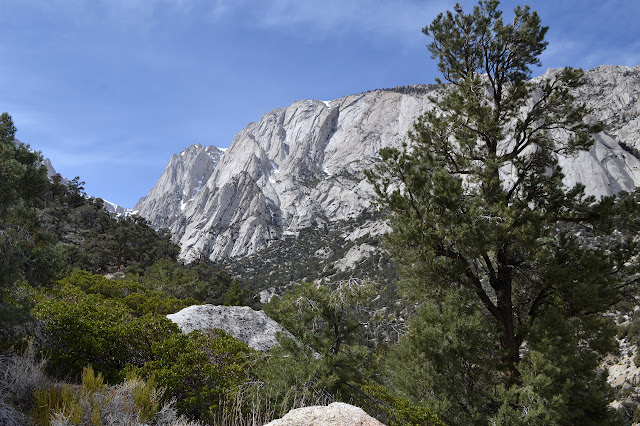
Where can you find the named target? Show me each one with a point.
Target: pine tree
(22, 179)
(234, 296)
(24, 253)
(331, 320)
(21, 172)
(478, 207)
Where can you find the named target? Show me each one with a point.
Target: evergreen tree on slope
(481, 220)
(22, 180)
(25, 254)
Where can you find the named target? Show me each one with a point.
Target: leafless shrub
(20, 375)
(10, 416)
(133, 402)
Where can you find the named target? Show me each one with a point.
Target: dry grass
(25, 388)
(20, 376)
(10, 416)
(133, 402)
(255, 404)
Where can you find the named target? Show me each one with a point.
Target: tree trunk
(509, 341)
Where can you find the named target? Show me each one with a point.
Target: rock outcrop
(613, 163)
(183, 178)
(254, 328)
(335, 414)
(622, 369)
(302, 166)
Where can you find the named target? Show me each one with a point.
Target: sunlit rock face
(254, 328)
(334, 414)
(302, 166)
(182, 179)
(612, 164)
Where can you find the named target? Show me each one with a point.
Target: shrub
(91, 329)
(145, 396)
(10, 415)
(133, 295)
(17, 327)
(20, 375)
(56, 399)
(396, 411)
(174, 278)
(199, 370)
(133, 402)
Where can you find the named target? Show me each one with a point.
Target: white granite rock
(354, 255)
(254, 328)
(335, 414)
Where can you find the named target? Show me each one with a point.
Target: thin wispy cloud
(308, 20)
(396, 20)
(123, 15)
(313, 20)
(381, 17)
(589, 52)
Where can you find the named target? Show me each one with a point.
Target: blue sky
(109, 89)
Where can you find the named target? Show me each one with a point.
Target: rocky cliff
(301, 167)
(183, 178)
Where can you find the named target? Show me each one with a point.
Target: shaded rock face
(335, 414)
(254, 328)
(183, 178)
(302, 166)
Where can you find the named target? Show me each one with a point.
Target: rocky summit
(182, 179)
(301, 167)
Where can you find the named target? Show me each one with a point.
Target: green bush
(91, 329)
(98, 284)
(200, 370)
(173, 278)
(134, 295)
(395, 410)
(115, 327)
